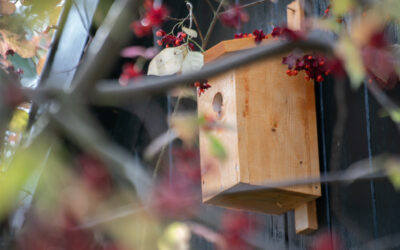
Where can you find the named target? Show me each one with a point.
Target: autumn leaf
(19, 120)
(176, 236)
(18, 43)
(186, 127)
(341, 7)
(40, 64)
(6, 7)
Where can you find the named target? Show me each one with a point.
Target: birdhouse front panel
(269, 132)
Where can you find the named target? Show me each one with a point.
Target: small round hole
(218, 104)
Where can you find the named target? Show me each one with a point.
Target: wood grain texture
(273, 135)
(306, 217)
(305, 214)
(295, 15)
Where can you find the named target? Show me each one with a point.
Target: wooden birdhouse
(270, 137)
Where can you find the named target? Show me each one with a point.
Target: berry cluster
(201, 86)
(154, 17)
(258, 35)
(276, 32)
(171, 40)
(327, 10)
(314, 66)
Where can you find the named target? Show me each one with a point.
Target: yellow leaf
(19, 121)
(351, 56)
(176, 237)
(54, 15)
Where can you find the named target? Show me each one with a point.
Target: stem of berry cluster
(212, 24)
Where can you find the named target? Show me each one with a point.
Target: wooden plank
(229, 46)
(295, 15)
(306, 217)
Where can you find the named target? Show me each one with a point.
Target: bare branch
(111, 93)
(383, 99)
(212, 24)
(248, 5)
(106, 44)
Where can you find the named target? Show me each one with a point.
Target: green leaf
(18, 173)
(18, 43)
(217, 149)
(393, 170)
(28, 66)
(351, 56)
(395, 115)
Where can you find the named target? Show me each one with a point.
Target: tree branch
(106, 44)
(212, 24)
(111, 93)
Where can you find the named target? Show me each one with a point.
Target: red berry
(321, 63)
(177, 42)
(294, 72)
(289, 72)
(191, 46)
(159, 33)
(183, 35)
(309, 57)
(159, 42)
(197, 84)
(167, 46)
(320, 78)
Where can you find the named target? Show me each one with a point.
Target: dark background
(358, 212)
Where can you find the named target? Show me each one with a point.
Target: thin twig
(212, 24)
(198, 28)
(210, 5)
(383, 99)
(106, 44)
(158, 164)
(248, 5)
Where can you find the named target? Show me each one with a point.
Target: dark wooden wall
(359, 212)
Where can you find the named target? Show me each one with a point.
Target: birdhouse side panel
(219, 104)
(276, 126)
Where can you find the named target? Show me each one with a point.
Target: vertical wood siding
(358, 212)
